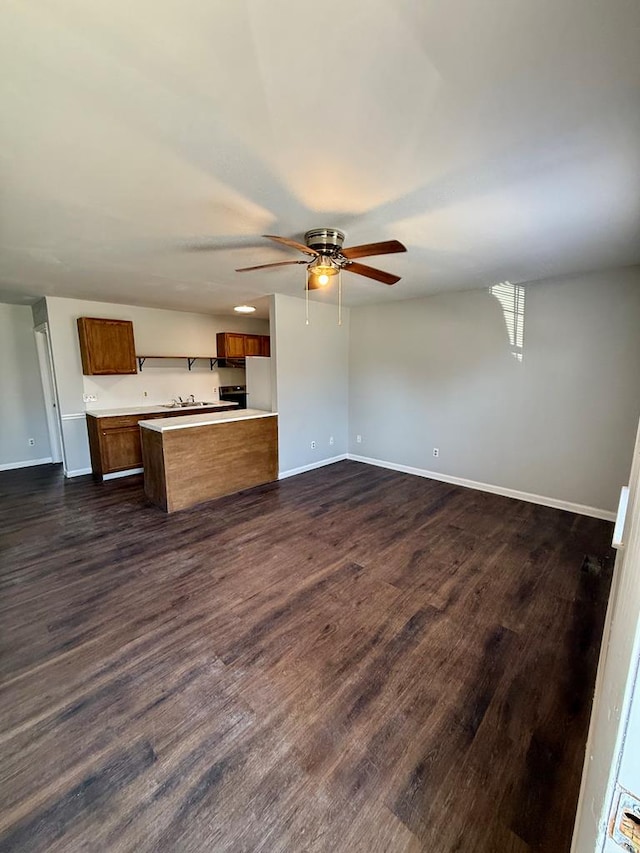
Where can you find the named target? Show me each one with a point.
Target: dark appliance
(234, 394)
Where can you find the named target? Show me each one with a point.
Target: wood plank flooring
(349, 660)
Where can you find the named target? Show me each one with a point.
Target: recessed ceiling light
(245, 309)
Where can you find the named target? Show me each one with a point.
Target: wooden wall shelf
(214, 361)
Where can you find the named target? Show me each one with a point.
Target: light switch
(624, 828)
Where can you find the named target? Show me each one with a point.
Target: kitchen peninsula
(114, 436)
(195, 458)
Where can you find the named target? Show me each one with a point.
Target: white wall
(440, 372)
(311, 366)
(23, 412)
(156, 331)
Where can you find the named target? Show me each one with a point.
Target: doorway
(52, 411)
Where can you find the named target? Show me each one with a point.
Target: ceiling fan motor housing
(327, 241)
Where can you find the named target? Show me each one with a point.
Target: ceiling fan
(328, 258)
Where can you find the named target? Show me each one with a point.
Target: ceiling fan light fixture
(321, 276)
(321, 269)
(329, 258)
(245, 309)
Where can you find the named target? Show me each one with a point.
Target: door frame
(50, 391)
(617, 672)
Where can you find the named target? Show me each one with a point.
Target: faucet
(181, 402)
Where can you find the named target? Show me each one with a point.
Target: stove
(234, 394)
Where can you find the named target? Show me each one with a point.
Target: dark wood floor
(350, 660)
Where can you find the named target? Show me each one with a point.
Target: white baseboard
(293, 471)
(118, 474)
(79, 472)
(580, 509)
(27, 463)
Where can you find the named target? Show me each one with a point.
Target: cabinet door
(230, 345)
(106, 346)
(252, 345)
(265, 345)
(121, 449)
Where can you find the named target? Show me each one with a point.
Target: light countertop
(204, 419)
(152, 410)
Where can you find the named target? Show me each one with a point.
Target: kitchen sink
(187, 405)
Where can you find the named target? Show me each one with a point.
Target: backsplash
(162, 381)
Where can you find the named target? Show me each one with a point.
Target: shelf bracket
(190, 361)
(141, 361)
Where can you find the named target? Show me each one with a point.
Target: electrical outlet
(359, 439)
(313, 445)
(32, 442)
(436, 451)
(89, 398)
(330, 439)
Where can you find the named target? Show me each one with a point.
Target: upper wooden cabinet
(236, 345)
(252, 345)
(230, 345)
(106, 346)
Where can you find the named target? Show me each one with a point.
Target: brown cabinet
(120, 448)
(230, 345)
(106, 346)
(184, 467)
(252, 345)
(236, 345)
(114, 442)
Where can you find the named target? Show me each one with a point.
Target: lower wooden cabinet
(120, 448)
(114, 442)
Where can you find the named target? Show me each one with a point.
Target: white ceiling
(498, 140)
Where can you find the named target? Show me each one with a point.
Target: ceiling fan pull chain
(306, 303)
(339, 297)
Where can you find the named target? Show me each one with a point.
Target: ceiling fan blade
(370, 272)
(264, 266)
(292, 243)
(387, 247)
